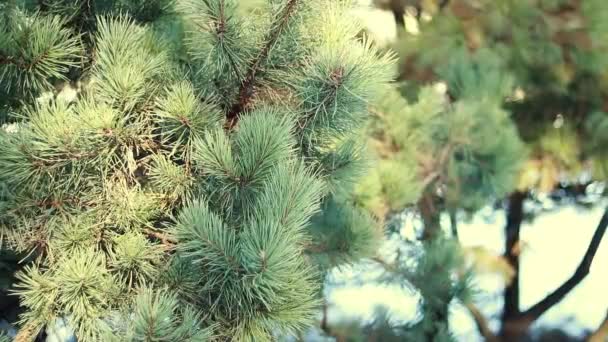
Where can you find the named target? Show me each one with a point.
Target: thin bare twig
(481, 323)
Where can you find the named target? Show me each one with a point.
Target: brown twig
(168, 241)
(246, 90)
(27, 333)
(439, 167)
(481, 323)
(386, 265)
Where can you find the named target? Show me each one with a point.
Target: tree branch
(168, 241)
(482, 323)
(454, 224)
(324, 326)
(398, 10)
(386, 265)
(581, 272)
(12, 60)
(426, 205)
(246, 90)
(28, 332)
(515, 216)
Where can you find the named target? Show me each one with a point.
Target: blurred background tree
(497, 103)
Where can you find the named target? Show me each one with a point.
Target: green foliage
(468, 146)
(524, 92)
(595, 127)
(145, 10)
(343, 233)
(157, 316)
(134, 259)
(207, 153)
(126, 64)
(183, 117)
(33, 50)
(435, 270)
(553, 52)
(441, 278)
(80, 286)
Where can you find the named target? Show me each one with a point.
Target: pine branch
(168, 241)
(43, 5)
(27, 333)
(324, 326)
(430, 216)
(439, 168)
(22, 64)
(221, 31)
(4, 59)
(426, 205)
(581, 273)
(246, 90)
(385, 264)
(481, 323)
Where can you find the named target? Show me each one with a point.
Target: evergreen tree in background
(462, 144)
(181, 170)
(522, 114)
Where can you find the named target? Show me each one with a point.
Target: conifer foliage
(195, 184)
(463, 144)
(521, 115)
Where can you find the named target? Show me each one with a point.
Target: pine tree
(182, 170)
(462, 143)
(440, 276)
(442, 153)
(529, 78)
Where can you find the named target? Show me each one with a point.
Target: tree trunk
(514, 322)
(398, 9)
(515, 214)
(430, 217)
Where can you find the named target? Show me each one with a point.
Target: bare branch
(581, 272)
(168, 241)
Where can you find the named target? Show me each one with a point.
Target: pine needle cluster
(461, 144)
(172, 170)
(553, 51)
